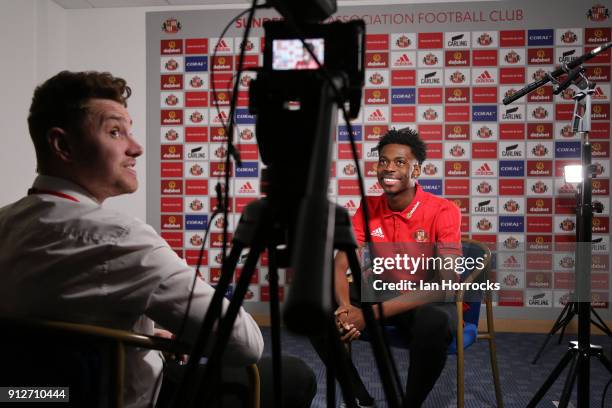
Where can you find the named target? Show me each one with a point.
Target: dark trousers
(299, 385)
(427, 331)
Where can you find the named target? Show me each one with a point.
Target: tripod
(567, 314)
(579, 353)
(300, 228)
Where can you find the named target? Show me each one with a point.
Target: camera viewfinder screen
(292, 55)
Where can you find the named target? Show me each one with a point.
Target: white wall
(40, 39)
(32, 48)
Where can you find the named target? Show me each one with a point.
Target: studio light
(573, 173)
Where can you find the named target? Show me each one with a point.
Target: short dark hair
(61, 102)
(408, 137)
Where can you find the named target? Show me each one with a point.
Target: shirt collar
(62, 185)
(416, 202)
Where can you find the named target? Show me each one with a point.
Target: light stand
(580, 352)
(581, 174)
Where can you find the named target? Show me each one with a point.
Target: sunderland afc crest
(420, 236)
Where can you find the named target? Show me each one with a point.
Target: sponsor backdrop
(442, 69)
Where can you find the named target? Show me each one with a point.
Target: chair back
(90, 360)
(473, 249)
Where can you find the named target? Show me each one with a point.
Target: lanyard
(413, 209)
(59, 194)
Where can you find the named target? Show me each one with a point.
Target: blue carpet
(519, 378)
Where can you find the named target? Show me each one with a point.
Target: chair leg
(460, 365)
(493, 351)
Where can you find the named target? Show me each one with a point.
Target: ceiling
(84, 4)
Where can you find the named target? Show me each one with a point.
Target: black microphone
(557, 72)
(568, 81)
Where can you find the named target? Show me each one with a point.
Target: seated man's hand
(181, 358)
(348, 331)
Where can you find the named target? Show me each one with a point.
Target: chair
(468, 314)
(89, 359)
(468, 334)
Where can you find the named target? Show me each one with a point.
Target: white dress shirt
(63, 256)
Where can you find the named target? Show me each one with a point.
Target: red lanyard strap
(34, 190)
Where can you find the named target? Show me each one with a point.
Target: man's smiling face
(397, 169)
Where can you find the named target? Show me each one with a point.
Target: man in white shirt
(64, 256)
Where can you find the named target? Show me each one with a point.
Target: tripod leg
(382, 353)
(330, 379)
(188, 388)
(560, 322)
(209, 381)
(569, 381)
(602, 325)
(570, 314)
(276, 324)
(551, 379)
(604, 360)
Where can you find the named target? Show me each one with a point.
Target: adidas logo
(378, 232)
(247, 188)
(511, 262)
(484, 170)
(599, 94)
(350, 205)
(377, 116)
(404, 61)
(222, 46)
(220, 118)
(485, 78)
(375, 189)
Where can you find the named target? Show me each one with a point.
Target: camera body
(339, 47)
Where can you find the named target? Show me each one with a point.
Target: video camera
(286, 98)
